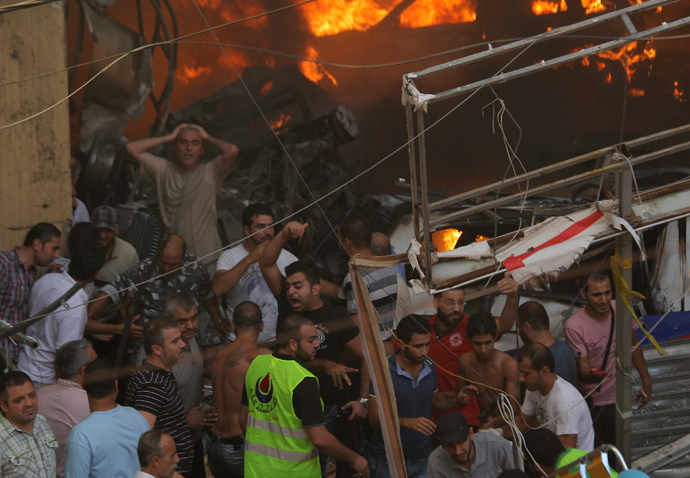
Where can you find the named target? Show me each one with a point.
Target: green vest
(573, 454)
(277, 446)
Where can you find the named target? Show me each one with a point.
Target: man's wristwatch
(364, 401)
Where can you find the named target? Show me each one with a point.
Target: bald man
(183, 272)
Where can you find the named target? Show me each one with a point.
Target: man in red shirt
(449, 339)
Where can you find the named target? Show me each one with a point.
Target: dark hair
(596, 276)
(253, 210)
(149, 446)
(539, 355)
(82, 234)
(535, 315)
(87, 261)
(544, 446)
(100, 378)
(410, 325)
(71, 357)
(357, 230)
(381, 245)
(154, 332)
(513, 474)
(11, 379)
(481, 323)
(439, 295)
(42, 231)
(289, 329)
(305, 267)
(247, 315)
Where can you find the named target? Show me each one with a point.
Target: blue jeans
(331, 414)
(224, 461)
(378, 468)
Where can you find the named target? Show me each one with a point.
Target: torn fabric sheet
(411, 95)
(554, 245)
(412, 254)
(473, 251)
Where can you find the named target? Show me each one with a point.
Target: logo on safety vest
(264, 389)
(456, 339)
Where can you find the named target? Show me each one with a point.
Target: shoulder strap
(608, 345)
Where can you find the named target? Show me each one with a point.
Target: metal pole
(414, 193)
(425, 198)
(623, 322)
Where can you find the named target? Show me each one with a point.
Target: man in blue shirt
(416, 393)
(533, 326)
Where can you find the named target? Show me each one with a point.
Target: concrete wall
(34, 156)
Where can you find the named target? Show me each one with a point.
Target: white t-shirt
(62, 326)
(566, 403)
(252, 286)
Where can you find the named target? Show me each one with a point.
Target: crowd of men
(120, 383)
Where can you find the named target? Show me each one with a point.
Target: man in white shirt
(238, 275)
(551, 401)
(67, 322)
(157, 455)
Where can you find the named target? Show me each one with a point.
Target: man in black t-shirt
(336, 333)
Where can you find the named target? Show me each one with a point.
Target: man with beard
(187, 187)
(337, 333)
(27, 445)
(551, 401)
(153, 389)
(413, 377)
(449, 338)
(238, 275)
(463, 453)
(281, 410)
(486, 365)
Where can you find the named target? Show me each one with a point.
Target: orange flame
(481, 238)
(266, 88)
(328, 17)
(314, 71)
(446, 239)
(545, 7)
(593, 6)
(237, 10)
(678, 94)
(281, 121)
(190, 73)
(637, 92)
(424, 13)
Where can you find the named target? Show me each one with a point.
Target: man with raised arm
(238, 276)
(186, 187)
(225, 443)
(449, 338)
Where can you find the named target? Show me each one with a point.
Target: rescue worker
(282, 413)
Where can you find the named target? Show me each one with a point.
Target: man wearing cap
(462, 453)
(120, 255)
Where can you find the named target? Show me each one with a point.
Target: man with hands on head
(416, 393)
(186, 187)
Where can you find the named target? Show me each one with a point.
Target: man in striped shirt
(153, 390)
(354, 233)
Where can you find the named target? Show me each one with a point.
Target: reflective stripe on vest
(280, 454)
(275, 428)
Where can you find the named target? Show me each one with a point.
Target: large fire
(425, 13)
(330, 17)
(593, 6)
(446, 239)
(545, 7)
(314, 71)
